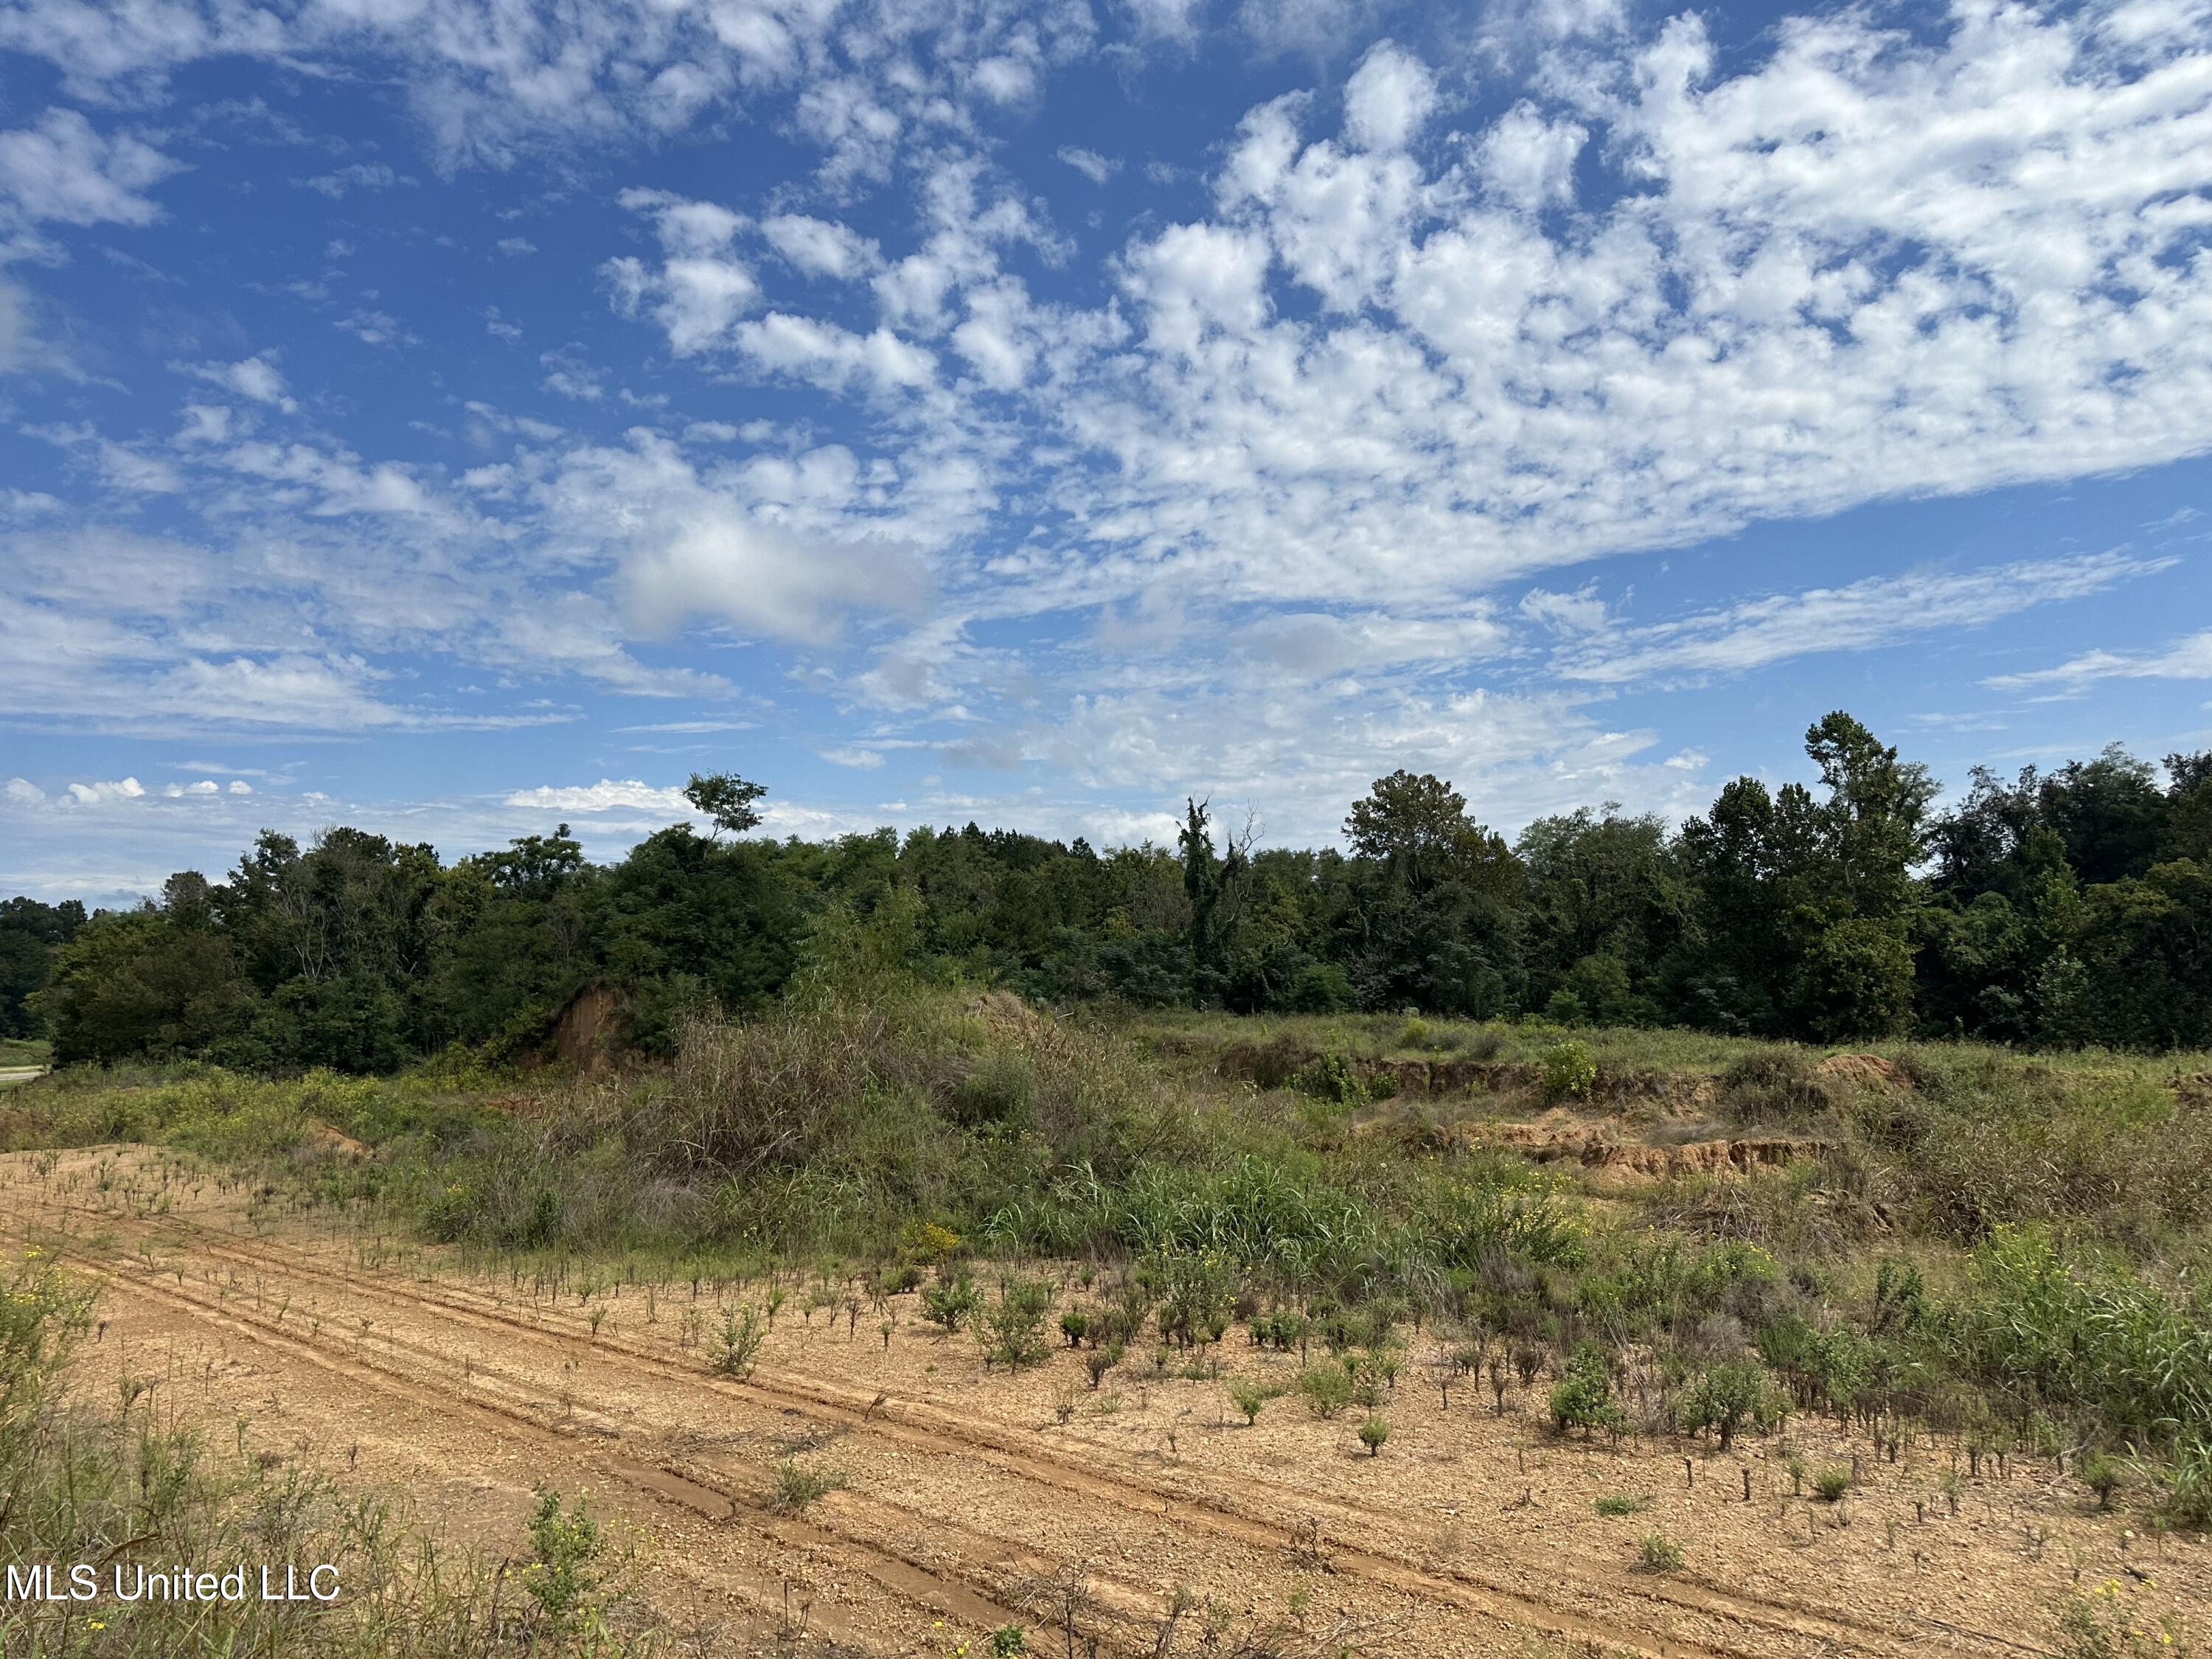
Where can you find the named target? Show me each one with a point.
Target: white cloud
(1388, 99)
(360, 176)
(377, 328)
(818, 247)
(2188, 658)
(1528, 162)
(701, 288)
(1089, 162)
(1861, 616)
(866, 760)
(21, 791)
(834, 358)
(104, 794)
(740, 549)
(257, 379)
(61, 169)
(604, 796)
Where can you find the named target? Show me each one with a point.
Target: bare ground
(970, 1504)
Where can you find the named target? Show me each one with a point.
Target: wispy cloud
(1879, 611)
(2189, 659)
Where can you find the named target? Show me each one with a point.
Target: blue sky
(453, 417)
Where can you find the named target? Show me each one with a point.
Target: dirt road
(973, 1501)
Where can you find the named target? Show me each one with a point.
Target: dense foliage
(2058, 908)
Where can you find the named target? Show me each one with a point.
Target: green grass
(17, 1052)
(2006, 1247)
(1183, 1036)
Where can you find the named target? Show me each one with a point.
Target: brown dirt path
(968, 1499)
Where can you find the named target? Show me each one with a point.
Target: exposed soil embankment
(1594, 1147)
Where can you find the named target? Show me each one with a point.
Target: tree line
(2056, 909)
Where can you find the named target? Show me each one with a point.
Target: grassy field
(1962, 1246)
(18, 1052)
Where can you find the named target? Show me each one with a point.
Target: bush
(2102, 1472)
(1728, 1395)
(1372, 1434)
(1013, 1327)
(1569, 1071)
(1832, 1483)
(743, 1331)
(1618, 1504)
(1327, 1388)
(797, 1486)
(1658, 1552)
(1250, 1396)
(949, 1301)
(1330, 1077)
(1584, 1397)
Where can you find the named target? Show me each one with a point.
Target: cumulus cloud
(1388, 98)
(61, 169)
(604, 796)
(103, 794)
(256, 380)
(820, 247)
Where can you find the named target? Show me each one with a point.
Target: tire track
(910, 1582)
(931, 1430)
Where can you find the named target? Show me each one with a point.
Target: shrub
(1372, 1433)
(1013, 1327)
(1658, 1552)
(1727, 1396)
(996, 1094)
(1009, 1641)
(1584, 1397)
(2102, 1472)
(1569, 1069)
(743, 1331)
(1327, 1388)
(1074, 1324)
(1330, 1077)
(1621, 1504)
(564, 1579)
(949, 1301)
(1832, 1482)
(797, 1486)
(1250, 1396)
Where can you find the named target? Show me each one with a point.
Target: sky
(455, 417)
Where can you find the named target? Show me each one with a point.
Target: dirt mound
(324, 1137)
(1557, 1137)
(1865, 1072)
